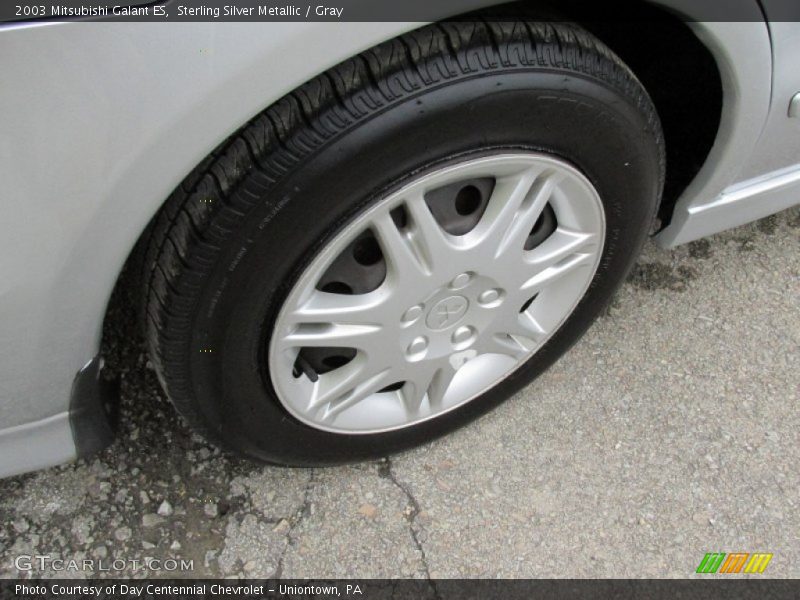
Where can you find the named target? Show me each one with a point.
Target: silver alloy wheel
(454, 314)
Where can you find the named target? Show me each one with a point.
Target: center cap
(447, 312)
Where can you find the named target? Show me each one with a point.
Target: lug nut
(460, 281)
(462, 335)
(418, 344)
(489, 296)
(412, 314)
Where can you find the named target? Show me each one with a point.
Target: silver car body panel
(100, 122)
(753, 169)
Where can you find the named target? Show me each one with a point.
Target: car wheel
(403, 242)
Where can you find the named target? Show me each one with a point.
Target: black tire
(233, 237)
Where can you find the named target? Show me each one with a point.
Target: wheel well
(676, 68)
(683, 80)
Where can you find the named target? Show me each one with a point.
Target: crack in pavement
(385, 471)
(300, 514)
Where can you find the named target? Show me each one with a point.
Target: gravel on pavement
(670, 430)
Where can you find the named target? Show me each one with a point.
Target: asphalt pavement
(669, 431)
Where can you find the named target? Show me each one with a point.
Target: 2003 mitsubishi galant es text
(354, 237)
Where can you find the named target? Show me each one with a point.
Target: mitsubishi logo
(447, 312)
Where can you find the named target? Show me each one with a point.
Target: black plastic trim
(92, 409)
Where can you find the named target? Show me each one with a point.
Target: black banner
(376, 589)
(390, 10)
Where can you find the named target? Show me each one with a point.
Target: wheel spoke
(527, 326)
(324, 307)
(426, 381)
(413, 392)
(504, 203)
(334, 335)
(516, 336)
(417, 250)
(520, 211)
(429, 235)
(560, 254)
(502, 343)
(357, 387)
(440, 382)
(335, 383)
(336, 320)
(405, 260)
(514, 207)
